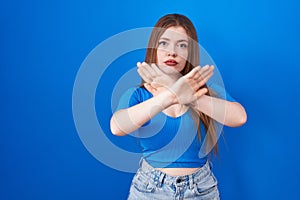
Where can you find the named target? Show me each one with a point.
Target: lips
(171, 62)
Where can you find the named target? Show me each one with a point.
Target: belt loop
(140, 162)
(161, 178)
(191, 181)
(210, 164)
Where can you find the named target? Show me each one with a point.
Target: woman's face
(172, 50)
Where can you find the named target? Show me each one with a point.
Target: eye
(162, 43)
(182, 45)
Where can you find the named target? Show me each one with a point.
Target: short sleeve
(128, 99)
(133, 96)
(221, 92)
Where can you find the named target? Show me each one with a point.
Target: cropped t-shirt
(169, 142)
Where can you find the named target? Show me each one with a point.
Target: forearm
(228, 113)
(128, 120)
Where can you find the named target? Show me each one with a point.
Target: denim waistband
(160, 177)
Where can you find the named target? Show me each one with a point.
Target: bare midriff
(178, 171)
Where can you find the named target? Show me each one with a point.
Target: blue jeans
(149, 183)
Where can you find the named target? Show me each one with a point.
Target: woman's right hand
(188, 88)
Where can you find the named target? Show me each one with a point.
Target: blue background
(43, 43)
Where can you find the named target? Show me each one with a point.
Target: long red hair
(193, 60)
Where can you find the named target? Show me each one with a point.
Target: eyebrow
(183, 40)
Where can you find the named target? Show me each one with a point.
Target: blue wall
(254, 44)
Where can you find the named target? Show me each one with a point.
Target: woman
(174, 97)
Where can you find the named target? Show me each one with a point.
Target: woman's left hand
(158, 76)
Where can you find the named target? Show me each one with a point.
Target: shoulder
(133, 96)
(142, 94)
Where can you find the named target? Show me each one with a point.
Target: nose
(172, 52)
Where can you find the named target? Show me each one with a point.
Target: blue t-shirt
(168, 141)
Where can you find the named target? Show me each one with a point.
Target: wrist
(168, 98)
(198, 102)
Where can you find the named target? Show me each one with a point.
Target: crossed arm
(225, 112)
(169, 88)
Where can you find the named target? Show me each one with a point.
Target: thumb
(156, 85)
(201, 92)
(149, 87)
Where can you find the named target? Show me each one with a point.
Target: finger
(206, 68)
(139, 64)
(168, 70)
(193, 72)
(149, 69)
(144, 75)
(205, 71)
(156, 85)
(144, 68)
(196, 84)
(201, 92)
(156, 69)
(204, 80)
(149, 88)
(202, 70)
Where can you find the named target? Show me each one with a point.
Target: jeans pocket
(207, 187)
(143, 183)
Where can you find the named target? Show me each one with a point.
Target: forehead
(175, 33)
